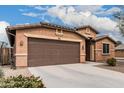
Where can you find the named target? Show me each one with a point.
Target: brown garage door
(43, 52)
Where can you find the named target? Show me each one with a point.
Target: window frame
(107, 49)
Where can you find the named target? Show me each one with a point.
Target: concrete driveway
(78, 76)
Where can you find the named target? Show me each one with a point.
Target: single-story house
(44, 44)
(119, 51)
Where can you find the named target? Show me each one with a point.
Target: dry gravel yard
(119, 67)
(10, 72)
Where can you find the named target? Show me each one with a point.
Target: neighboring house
(48, 44)
(119, 51)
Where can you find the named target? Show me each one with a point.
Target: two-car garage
(43, 52)
(45, 44)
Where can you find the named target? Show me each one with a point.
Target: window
(105, 48)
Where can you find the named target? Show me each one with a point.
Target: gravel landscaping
(19, 71)
(18, 78)
(119, 67)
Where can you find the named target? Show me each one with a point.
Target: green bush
(1, 73)
(21, 82)
(111, 62)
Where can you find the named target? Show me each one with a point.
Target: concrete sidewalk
(78, 76)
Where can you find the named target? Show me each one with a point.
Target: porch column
(82, 52)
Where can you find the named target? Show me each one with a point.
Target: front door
(89, 50)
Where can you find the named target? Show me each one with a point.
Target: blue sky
(100, 17)
(13, 14)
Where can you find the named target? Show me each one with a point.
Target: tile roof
(120, 47)
(100, 37)
(44, 24)
(87, 26)
(104, 36)
(48, 25)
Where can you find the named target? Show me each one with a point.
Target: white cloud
(23, 10)
(3, 35)
(31, 14)
(70, 16)
(3, 25)
(109, 11)
(40, 16)
(98, 9)
(91, 8)
(39, 7)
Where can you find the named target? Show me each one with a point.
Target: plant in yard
(1, 73)
(111, 62)
(21, 82)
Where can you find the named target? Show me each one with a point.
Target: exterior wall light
(21, 43)
(82, 47)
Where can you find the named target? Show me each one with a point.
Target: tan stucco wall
(22, 51)
(99, 50)
(119, 53)
(85, 33)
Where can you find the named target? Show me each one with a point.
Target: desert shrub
(21, 82)
(111, 62)
(1, 73)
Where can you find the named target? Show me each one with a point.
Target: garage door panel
(43, 52)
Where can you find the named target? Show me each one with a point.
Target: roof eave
(80, 35)
(27, 26)
(107, 37)
(87, 27)
(119, 49)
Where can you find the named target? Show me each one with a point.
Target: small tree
(119, 16)
(118, 43)
(111, 62)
